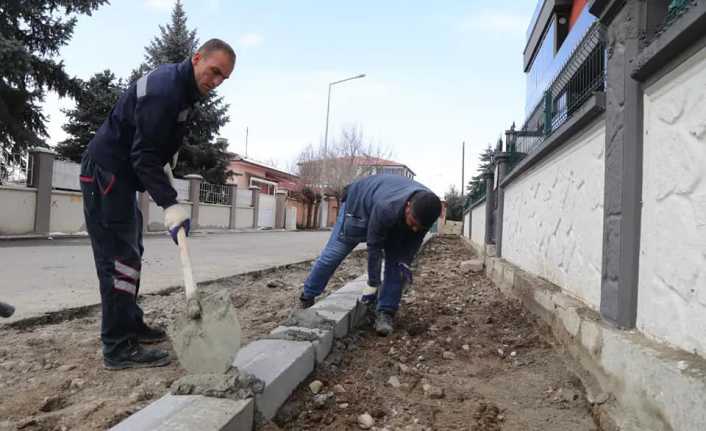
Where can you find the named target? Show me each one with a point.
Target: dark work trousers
(114, 223)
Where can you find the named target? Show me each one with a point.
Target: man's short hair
(212, 45)
(426, 208)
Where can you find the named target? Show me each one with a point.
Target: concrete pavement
(40, 276)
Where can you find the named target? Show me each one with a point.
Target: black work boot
(133, 355)
(383, 323)
(151, 335)
(305, 303)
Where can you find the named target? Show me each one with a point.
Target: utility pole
(246, 142)
(463, 186)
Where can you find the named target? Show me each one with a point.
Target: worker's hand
(406, 272)
(175, 217)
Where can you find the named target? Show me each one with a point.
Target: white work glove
(175, 217)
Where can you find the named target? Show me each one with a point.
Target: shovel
(207, 336)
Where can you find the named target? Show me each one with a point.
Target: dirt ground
(51, 372)
(463, 357)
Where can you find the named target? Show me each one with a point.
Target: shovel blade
(207, 345)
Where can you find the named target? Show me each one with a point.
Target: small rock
(322, 400)
(433, 392)
(273, 284)
(365, 421)
(448, 355)
(501, 352)
(404, 369)
(26, 423)
(436, 393)
(394, 381)
(369, 375)
(343, 406)
(67, 367)
(315, 386)
(513, 354)
(77, 383)
(473, 265)
(466, 347)
(141, 394)
(339, 389)
(51, 404)
(378, 413)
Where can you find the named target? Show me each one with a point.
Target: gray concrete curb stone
(281, 364)
(190, 412)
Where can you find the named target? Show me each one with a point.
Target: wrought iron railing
(582, 75)
(15, 168)
(216, 194)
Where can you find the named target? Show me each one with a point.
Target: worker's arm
(378, 226)
(155, 116)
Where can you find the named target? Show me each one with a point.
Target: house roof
(235, 157)
(373, 161)
(376, 161)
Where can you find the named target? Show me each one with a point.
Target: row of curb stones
(282, 360)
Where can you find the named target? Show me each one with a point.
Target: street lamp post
(328, 105)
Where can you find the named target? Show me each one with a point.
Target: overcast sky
(438, 73)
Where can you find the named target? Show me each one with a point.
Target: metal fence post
(42, 172)
(502, 159)
(233, 206)
(488, 176)
(195, 181)
(256, 205)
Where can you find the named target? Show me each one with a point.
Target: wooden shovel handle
(189, 285)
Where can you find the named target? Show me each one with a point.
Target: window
(266, 187)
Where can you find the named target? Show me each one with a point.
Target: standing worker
(135, 150)
(392, 214)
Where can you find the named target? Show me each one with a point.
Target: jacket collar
(186, 72)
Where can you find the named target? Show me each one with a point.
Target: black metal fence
(582, 75)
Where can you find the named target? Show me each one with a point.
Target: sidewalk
(41, 276)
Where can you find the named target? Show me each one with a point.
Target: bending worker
(132, 152)
(392, 214)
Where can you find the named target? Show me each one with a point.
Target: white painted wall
(290, 218)
(214, 216)
(672, 280)
(478, 226)
(18, 206)
(67, 212)
(243, 198)
(467, 224)
(266, 216)
(553, 216)
(243, 218)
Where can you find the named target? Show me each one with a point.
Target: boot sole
(160, 363)
(152, 340)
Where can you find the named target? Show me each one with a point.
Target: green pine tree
(454, 202)
(476, 186)
(31, 34)
(201, 154)
(97, 98)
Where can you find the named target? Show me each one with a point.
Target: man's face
(410, 221)
(211, 70)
